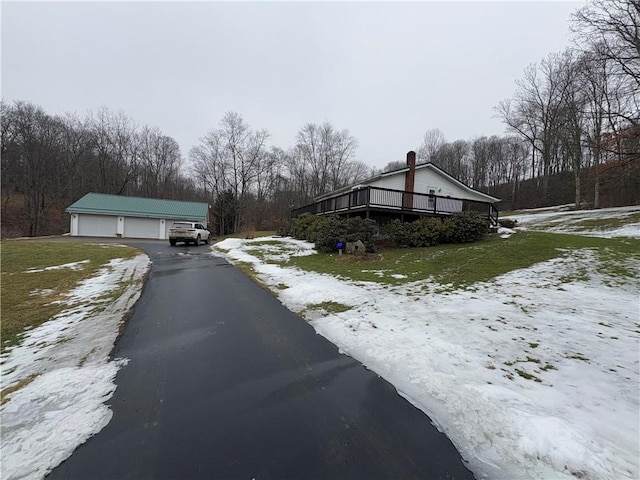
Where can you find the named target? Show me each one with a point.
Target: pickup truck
(188, 232)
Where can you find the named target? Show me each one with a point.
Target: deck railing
(375, 198)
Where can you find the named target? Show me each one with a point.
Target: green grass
(578, 356)
(259, 233)
(27, 297)
(528, 376)
(275, 243)
(465, 264)
(275, 247)
(329, 307)
(606, 223)
(4, 394)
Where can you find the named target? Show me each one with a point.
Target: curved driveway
(225, 382)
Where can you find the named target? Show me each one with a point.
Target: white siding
(97, 225)
(427, 179)
(74, 224)
(394, 182)
(135, 227)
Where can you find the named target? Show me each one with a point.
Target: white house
(409, 192)
(103, 215)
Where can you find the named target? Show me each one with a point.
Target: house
(102, 215)
(408, 193)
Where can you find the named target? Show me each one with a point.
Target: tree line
(573, 111)
(50, 161)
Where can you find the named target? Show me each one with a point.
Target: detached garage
(102, 215)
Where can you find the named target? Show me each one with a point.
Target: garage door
(97, 225)
(141, 227)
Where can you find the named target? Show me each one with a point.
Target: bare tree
(454, 159)
(395, 165)
(536, 111)
(116, 149)
(160, 161)
(480, 162)
(326, 155)
(432, 140)
(572, 127)
(32, 162)
(230, 161)
(611, 29)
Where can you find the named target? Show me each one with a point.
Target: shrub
(330, 232)
(336, 229)
(425, 232)
(397, 233)
(466, 227)
(363, 229)
(306, 226)
(284, 229)
(327, 232)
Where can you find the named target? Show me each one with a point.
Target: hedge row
(327, 232)
(460, 227)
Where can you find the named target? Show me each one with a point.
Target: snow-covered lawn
(531, 375)
(67, 375)
(583, 222)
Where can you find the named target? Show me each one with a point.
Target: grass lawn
(465, 264)
(259, 233)
(607, 223)
(27, 298)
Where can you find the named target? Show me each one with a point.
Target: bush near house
(327, 232)
(463, 227)
(337, 229)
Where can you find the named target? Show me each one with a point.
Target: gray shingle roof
(101, 203)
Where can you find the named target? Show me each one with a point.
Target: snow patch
(68, 359)
(569, 221)
(71, 266)
(505, 232)
(531, 375)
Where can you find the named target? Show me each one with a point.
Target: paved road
(224, 382)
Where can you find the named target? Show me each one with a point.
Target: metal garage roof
(104, 204)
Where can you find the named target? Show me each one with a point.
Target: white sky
(386, 71)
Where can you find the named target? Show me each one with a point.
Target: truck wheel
(173, 243)
(197, 242)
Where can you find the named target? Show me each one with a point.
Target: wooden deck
(372, 201)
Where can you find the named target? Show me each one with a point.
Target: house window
(431, 202)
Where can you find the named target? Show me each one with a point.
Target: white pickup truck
(188, 232)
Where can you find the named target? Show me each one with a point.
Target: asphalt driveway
(225, 382)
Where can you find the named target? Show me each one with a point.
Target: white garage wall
(97, 225)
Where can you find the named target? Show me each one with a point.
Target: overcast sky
(387, 72)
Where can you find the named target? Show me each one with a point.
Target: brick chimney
(409, 181)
